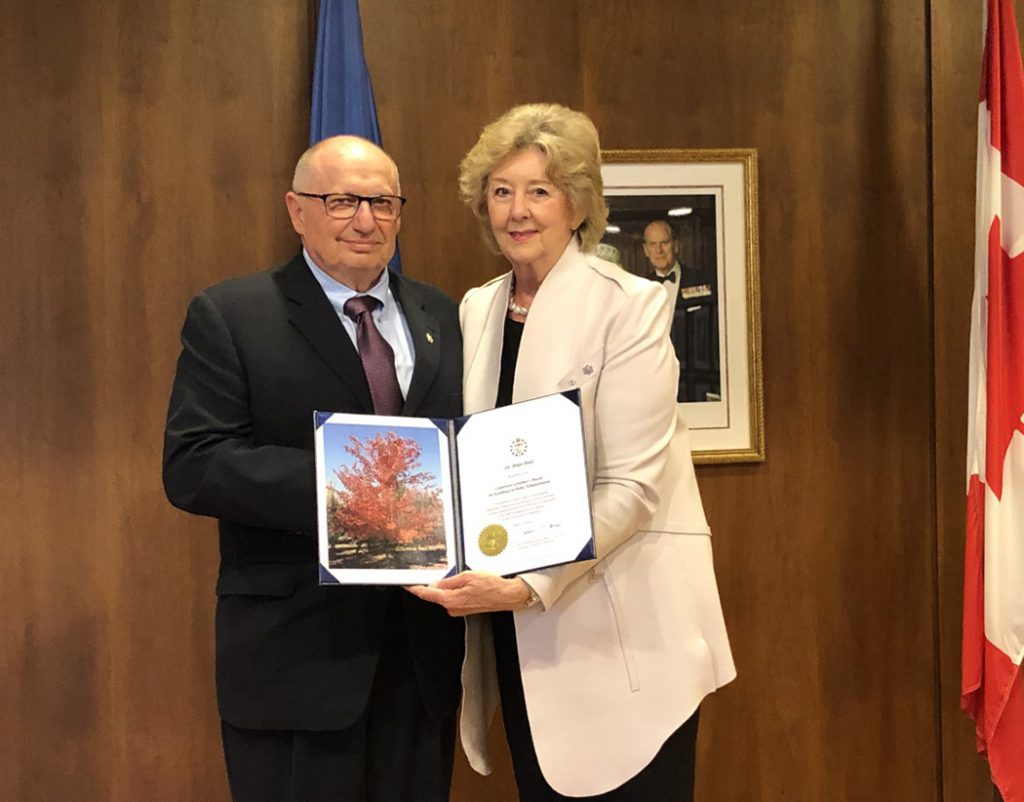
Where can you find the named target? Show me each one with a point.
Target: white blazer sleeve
(634, 419)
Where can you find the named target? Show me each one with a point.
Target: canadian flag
(993, 635)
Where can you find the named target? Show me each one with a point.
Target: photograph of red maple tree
(384, 506)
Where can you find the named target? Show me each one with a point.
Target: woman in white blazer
(600, 665)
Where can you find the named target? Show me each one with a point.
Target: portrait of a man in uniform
(673, 241)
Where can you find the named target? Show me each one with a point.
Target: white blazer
(621, 649)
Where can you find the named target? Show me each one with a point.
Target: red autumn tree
(385, 500)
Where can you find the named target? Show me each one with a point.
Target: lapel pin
(430, 338)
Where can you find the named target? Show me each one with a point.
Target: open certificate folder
(410, 500)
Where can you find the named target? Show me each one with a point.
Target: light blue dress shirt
(388, 317)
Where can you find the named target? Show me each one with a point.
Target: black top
(511, 338)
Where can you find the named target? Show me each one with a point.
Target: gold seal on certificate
(493, 539)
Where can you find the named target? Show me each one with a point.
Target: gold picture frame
(689, 219)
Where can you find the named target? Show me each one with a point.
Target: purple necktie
(377, 356)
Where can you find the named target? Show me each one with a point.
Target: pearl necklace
(513, 307)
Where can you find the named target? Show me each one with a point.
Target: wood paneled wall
(956, 45)
(146, 149)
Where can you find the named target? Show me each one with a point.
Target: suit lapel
(312, 314)
(426, 341)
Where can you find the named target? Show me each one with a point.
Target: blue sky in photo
(336, 435)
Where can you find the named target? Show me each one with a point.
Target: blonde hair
(569, 140)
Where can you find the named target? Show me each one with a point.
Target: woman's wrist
(531, 598)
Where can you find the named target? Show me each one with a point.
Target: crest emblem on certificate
(518, 447)
(493, 539)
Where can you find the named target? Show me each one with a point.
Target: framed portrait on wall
(688, 220)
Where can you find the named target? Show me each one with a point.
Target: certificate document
(410, 500)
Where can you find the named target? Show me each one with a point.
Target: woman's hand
(474, 592)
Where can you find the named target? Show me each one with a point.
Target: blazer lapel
(483, 330)
(426, 341)
(550, 345)
(312, 314)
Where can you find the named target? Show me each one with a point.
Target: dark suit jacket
(694, 332)
(259, 354)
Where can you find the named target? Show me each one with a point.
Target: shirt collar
(338, 293)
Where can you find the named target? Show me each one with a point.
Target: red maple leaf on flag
(1005, 352)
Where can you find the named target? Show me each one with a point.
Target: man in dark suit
(324, 692)
(694, 295)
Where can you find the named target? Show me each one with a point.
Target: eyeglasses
(342, 206)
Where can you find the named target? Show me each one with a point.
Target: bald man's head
(351, 247)
(334, 148)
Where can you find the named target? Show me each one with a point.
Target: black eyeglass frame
(355, 209)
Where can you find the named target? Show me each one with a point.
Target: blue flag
(342, 92)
